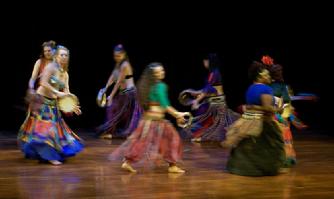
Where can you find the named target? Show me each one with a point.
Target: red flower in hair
(267, 60)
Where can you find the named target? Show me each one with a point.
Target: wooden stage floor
(92, 175)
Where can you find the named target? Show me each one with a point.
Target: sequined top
(56, 83)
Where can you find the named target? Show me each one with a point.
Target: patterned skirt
(122, 116)
(212, 124)
(153, 140)
(290, 153)
(44, 135)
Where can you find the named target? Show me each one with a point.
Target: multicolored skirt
(153, 140)
(122, 116)
(288, 141)
(260, 154)
(44, 135)
(212, 124)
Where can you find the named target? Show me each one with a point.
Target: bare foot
(106, 136)
(284, 170)
(175, 169)
(128, 167)
(196, 140)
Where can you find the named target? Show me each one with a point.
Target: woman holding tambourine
(123, 110)
(213, 115)
(44, 135)
(155, 138)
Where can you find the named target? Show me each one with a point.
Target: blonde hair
(60, 47)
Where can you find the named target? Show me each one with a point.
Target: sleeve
(266, 90)
(162, 95)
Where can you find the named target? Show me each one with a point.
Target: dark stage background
(296, 39)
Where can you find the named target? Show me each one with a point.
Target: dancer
(257, 146)
(46, 57)
(213, 116)
(155, 138)
(281, 93)
(123, 109)
(44, 135)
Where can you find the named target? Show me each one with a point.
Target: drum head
(68, 103)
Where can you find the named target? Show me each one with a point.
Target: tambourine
(189, 118)
(287, 110)
(101, 98)
(68, 103)
(278, 101)
(186, 97)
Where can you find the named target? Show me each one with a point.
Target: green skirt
(259, 156)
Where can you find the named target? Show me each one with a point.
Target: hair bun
(50, 43)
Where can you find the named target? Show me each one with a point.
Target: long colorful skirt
(212, 124)
(122, 116)
(260, 155)
(288, 141)
(44, 135)
(153, 140)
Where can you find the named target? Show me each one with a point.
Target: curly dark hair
(276, 73)
(276, 70)
(145, 82)
(255, 69)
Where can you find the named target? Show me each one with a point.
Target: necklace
(61, 69)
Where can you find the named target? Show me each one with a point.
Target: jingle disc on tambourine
(101, 98)
(188, 120)
(68, 103)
